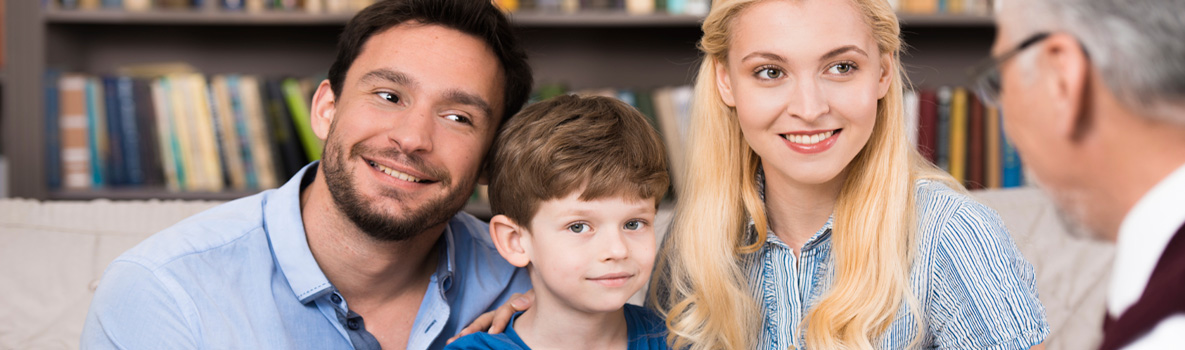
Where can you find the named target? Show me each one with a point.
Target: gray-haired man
(1093, 94)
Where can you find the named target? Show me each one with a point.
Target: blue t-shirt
(646, 331)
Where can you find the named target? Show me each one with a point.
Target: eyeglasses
(986, 74)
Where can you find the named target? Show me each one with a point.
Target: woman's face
(805, 77)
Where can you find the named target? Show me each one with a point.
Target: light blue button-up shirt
(241, 276)
(975, 289)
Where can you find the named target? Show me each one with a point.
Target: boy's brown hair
(570, 143)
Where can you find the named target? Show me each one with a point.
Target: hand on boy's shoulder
(484, 341)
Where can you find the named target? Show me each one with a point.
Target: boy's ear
(510, 240)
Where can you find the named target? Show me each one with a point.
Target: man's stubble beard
(380, 224)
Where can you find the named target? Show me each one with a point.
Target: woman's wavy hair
(701, 286)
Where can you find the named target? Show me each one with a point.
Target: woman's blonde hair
(702, 288)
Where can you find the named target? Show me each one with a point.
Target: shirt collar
(1143, 236)
(290, 247)
(771, 238)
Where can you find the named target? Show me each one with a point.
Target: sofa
(53, 255)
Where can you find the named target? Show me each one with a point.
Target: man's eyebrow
(465, 98)
(841, 50)
(766, 55)
(389, 76)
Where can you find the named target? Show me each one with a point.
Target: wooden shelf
(478, 209)
(524, 19)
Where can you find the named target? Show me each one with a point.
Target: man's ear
(511, 241)
(724, 84)
(324, 108)
(1068, 74)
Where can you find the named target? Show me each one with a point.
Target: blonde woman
(806, 220)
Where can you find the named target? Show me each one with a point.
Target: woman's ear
(724, 84)
(510, 240)
(886, 77)
(324, 107)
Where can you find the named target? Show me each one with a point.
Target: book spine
(992, 148)
(958, 134)
(116, 170)
(150, 146)
(97, 118)
(75, 125)
(299, 110)
(53, 130)
(928, 124)
(262, 148)
(129, 132)
(942, 146)
(975, 142)
(170, 147)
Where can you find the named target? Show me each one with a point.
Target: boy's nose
(615, 247)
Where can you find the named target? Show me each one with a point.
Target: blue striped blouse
(975, 289)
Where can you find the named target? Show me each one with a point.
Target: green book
(299, 110)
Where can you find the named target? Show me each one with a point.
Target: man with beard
(367, 248)
(1093, 94)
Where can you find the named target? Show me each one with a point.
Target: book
(53, 129)
(75, 134)
(116, 168)
(191, 169)
(231, 150)
(992, 147)
(958, 134)
(132, 169)
(209, 152)
(975, 143)
(928, 124)
(289, 152)
(298, 109)
(262, 152)
(1011, 172)
(172, 164)
(145, 111)
(942, 131)
(97, 123)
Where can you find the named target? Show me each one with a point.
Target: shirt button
(353, 324)
(337, 299)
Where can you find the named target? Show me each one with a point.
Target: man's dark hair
(479, 18)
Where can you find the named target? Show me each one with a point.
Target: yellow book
(992, 147)
(207, 139)
(958, 134)
(228, 137)
(170, 161)
(182, 122)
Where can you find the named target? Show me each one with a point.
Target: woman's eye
(634, 225)
(769, 73)
(393, 98)
(842, 68)
(459, 118)
(578, 228)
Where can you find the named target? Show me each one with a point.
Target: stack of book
(181, 131)
(952, 129)
(638, 7)
(251, 6)
(929, 7)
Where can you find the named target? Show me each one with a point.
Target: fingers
(482, 322)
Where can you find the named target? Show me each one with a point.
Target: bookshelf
(582, 50)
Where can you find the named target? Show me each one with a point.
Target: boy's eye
(633, 225)
(578, 228)
(393, 98)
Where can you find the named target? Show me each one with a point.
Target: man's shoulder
(202, 233)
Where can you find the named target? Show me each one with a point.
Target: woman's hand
(495, 322)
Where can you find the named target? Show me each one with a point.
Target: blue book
(1011, 168)
(942, 153)
(116, 170)
(242, 130)
(53, 131)
(96, 117)
(133, 169)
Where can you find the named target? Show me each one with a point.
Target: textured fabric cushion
(53, 253)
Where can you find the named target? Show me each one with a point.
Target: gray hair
(1137, 45)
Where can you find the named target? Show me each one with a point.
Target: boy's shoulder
(647, 330)
(483, 341)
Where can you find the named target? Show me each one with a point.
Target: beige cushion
(53, 254)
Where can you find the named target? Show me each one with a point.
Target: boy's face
(591, 256)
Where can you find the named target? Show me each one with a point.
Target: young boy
(576, 182)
